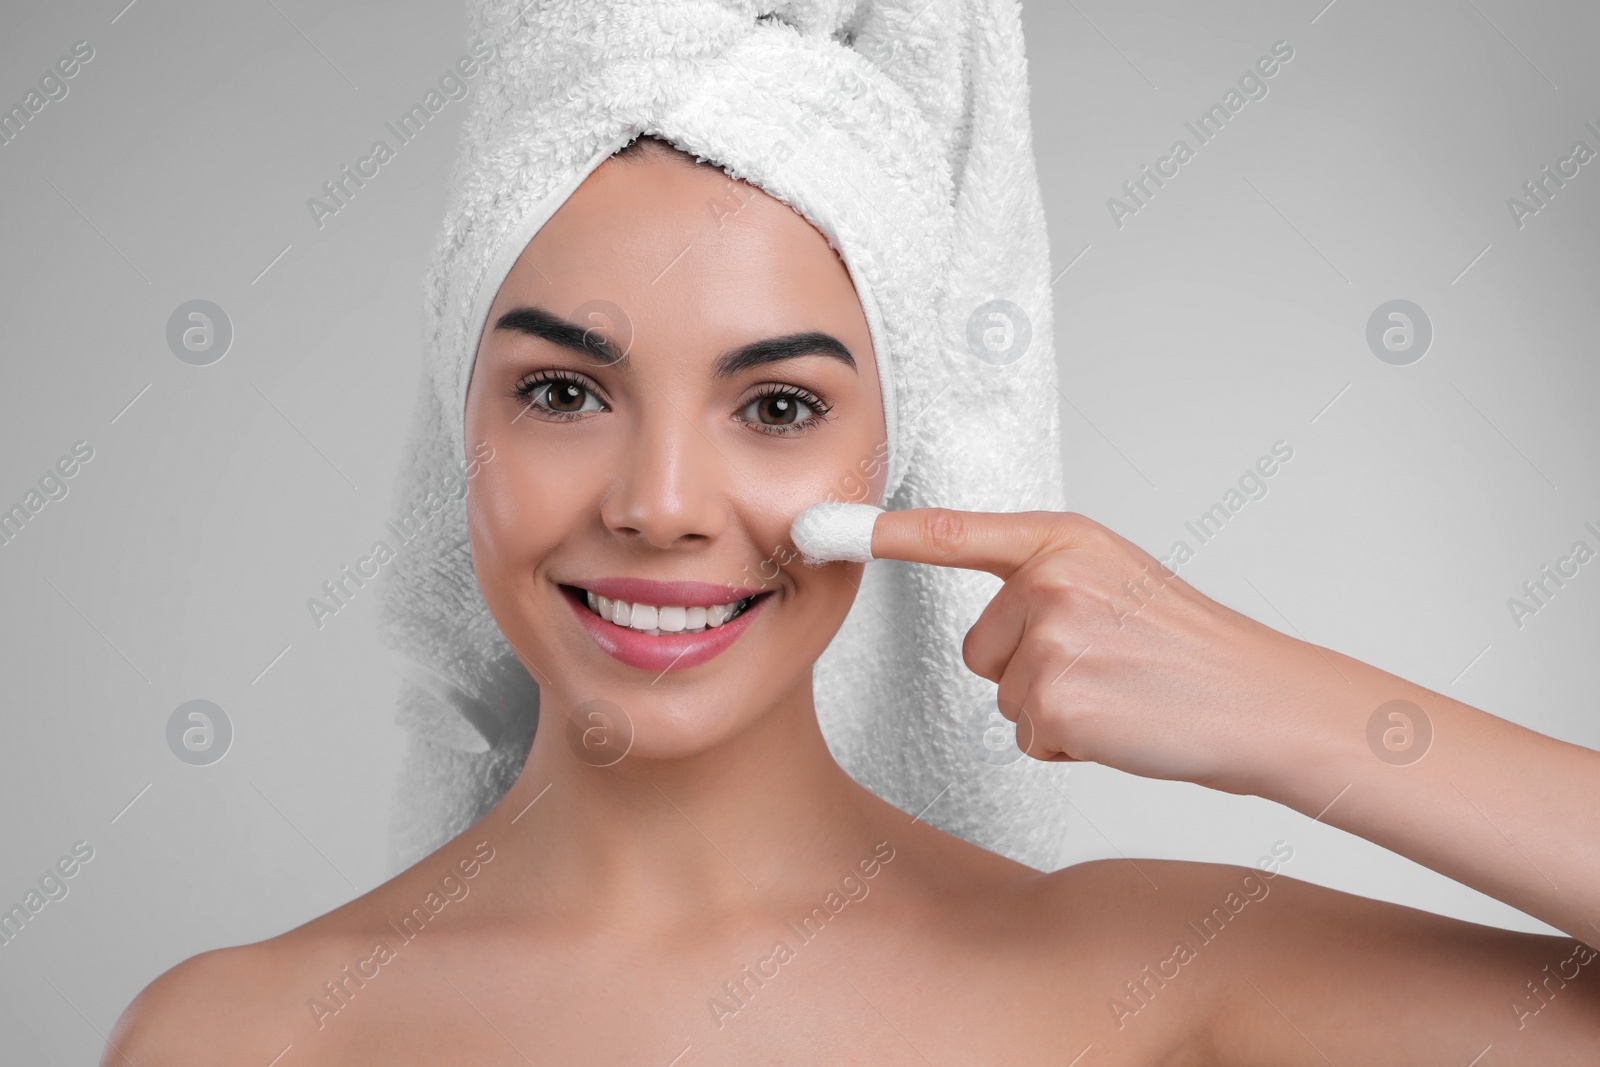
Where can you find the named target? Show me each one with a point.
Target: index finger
(997, 542)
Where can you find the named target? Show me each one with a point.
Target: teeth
(662, 619)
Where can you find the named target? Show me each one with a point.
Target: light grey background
(1228, 313)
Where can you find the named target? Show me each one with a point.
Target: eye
(783, 405)
(556, 395)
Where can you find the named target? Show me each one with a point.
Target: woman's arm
(1498, 807)
(1102, 653)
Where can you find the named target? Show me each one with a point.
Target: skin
(608, 906)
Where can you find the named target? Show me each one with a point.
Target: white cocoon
(835, 530)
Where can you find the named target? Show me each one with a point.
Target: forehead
(688, 250)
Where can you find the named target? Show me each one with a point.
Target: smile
(660, 626)
(655, 619)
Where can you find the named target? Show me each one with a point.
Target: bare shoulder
(216, 1008)
(250, 1003)
(1269, 969)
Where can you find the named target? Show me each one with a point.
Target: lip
(662, 652)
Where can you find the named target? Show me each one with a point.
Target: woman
(602, 925)
(714, 888)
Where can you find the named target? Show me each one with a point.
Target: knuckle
(1056, 577)
(1078, 522)
(1087, 531)
(1007, 702)
(1038, 730)
(945, 530)
(974, 656)
(1057, 647)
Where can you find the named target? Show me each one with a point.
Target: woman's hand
(1101, 653)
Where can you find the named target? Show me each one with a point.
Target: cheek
(855, 473)
(518, 510)
(863, 482)
(767, 510)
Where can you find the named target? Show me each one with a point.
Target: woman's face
(676, 367)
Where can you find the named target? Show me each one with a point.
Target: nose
(671, 488)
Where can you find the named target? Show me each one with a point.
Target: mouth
(654, 620)
(669, 636)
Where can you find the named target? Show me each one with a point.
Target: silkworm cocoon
(835, 531)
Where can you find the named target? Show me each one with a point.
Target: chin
(614, 723)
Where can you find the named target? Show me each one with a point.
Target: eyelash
(525, 389)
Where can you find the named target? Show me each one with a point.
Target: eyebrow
(601, 351)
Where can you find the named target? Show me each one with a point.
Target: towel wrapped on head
(900, 130)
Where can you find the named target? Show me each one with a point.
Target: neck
(745, 828)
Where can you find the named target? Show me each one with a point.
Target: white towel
(900, 129)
